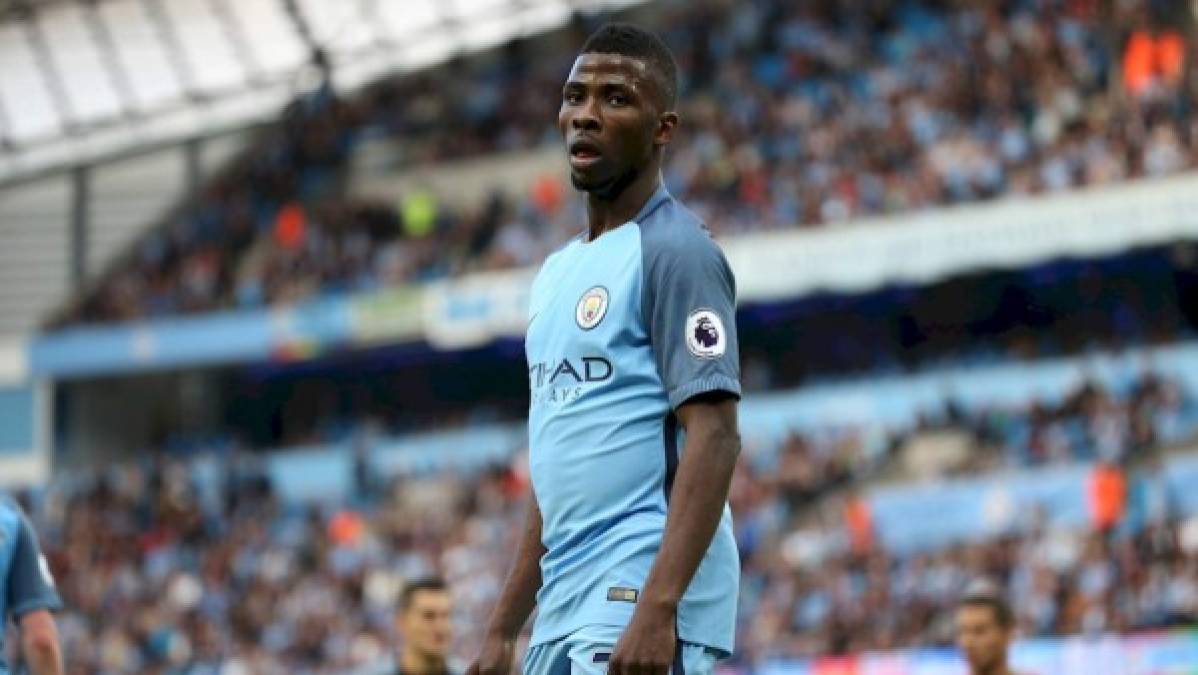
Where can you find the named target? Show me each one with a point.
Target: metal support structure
(300, 24)
(49, 70)
(193, 170)
(174, 49)
(31, 148)
(6, 141)
(380, 38)
(317, 55)
(236, 34)
(451, 23)
(101, 35)
(80, 224)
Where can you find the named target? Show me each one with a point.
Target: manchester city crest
(592, 307)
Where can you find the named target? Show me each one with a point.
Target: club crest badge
(592, 307)
(705, 334)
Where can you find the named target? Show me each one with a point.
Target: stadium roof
(81, 80)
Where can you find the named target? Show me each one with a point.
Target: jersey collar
(659, 197)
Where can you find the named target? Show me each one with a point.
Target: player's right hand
(495, 657)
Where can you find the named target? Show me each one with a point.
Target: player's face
(982, 639)
(425, 624)
(611, 121)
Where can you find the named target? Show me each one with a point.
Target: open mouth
(584, 152)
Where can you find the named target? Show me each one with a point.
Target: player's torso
(597, 402)
(9, 524)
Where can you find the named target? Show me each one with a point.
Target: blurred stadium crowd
(795, 114)
(163, 575)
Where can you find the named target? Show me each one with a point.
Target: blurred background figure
(985, 628)
(424, 624)
(27, 596)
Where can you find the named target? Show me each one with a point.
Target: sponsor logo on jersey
(565, 380)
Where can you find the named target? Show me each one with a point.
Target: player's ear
(667, 122)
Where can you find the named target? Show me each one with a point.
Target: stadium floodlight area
(82, 81)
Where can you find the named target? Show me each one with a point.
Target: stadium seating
(181, 563)
(822, 119)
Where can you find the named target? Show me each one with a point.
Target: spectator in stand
(423, 623)
(1108, 497)
(985, 629)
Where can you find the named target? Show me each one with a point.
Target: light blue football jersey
(25, 581)
(622, 330)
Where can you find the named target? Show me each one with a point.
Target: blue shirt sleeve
(690, 298)
(30, 585)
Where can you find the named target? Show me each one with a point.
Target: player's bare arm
(39, 643)
(516, 602)
(699, 493)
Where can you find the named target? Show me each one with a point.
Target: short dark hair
(636, 42)
(992, 600)
(422, 584)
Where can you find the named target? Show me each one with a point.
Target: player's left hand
(647, 645)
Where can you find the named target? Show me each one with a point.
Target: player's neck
(412, 662)
(998, 669)
(608, 214)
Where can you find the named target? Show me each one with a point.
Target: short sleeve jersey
(25, 579)
(622, 331)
